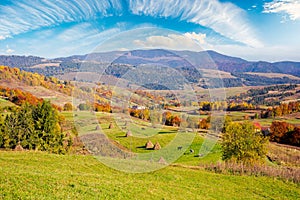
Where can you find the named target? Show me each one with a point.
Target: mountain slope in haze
(187, 63)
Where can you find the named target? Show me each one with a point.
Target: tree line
(34, 127)
(283, 132)
(34, 79)
(281, 110)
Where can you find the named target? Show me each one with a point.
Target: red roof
(257, 125)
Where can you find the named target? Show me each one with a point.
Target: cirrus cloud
(289, 7)
(224, 18)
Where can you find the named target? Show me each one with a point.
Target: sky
(267, 30)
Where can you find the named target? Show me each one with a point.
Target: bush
(68, 107)
(83, 106)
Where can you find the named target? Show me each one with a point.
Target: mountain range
(189, 64)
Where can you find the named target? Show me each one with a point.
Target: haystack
(157, 146)
(97, 127)
(149, 145)
(19, 147)
(162, 161)
(111, 125)
(128, 134)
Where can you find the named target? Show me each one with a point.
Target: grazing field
(36, 175)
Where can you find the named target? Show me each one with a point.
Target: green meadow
(37, 175)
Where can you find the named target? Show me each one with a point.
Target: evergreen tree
(47, 128)
(10, 131)
(25, 129)
(1, 132)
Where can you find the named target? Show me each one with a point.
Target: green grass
(36, 175)
(168, 137)
(5, 103)
(268, 122)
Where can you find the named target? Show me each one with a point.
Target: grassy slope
(4, 103)
(32, 175)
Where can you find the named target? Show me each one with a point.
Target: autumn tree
(203, 124)
(293, 137)
(278, 129)
(68, 107)
(240, 143)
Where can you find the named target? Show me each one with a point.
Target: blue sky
(252, 29)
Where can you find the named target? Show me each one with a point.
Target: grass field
(36, 175)
(5, 103)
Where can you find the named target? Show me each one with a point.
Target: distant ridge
(117, 63)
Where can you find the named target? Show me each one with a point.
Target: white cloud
(9, 51)
(3, 37)
(188, 41)
(200, 38)
(224, 18)
(288, 7)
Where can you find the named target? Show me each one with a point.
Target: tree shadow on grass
(166, 132)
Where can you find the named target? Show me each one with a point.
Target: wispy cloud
(291, 8)
(224, 18)
(28, 15)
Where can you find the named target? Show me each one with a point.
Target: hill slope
(36, 175)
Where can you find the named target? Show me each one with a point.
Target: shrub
(68, 107)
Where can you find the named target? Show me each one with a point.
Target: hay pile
(97, 127)
(111, 125)
(149, 145)
(162, 161)
(157, 146)
(19, 147)
(128, 134)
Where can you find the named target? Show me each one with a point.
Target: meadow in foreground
(37, 175)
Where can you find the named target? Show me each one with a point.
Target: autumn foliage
(19, 97)
(284, 132)
(34, 79)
